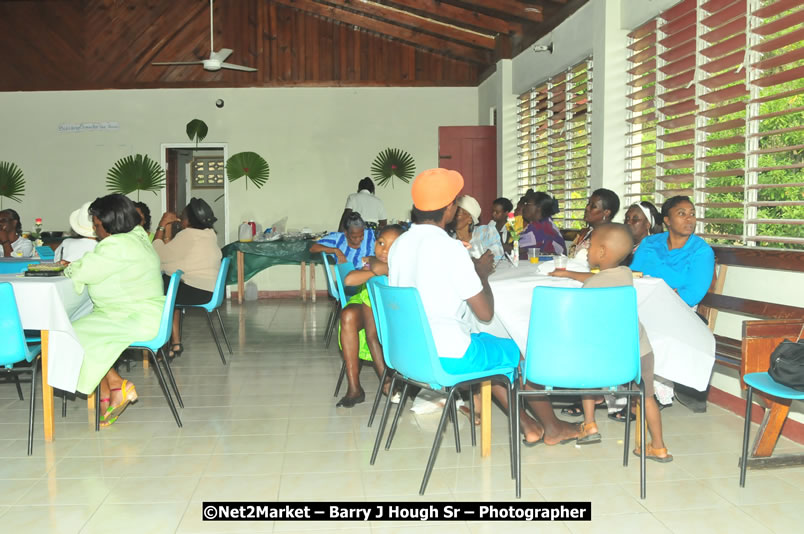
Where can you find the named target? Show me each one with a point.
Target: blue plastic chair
(604, 354)
(337, 291)
(156, 346)
(372, 288)
(46, 253)
(410, 350)
(763, 383)
(14, 349)
(213, 306)
(16, 265)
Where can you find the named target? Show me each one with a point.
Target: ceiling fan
(217, 60)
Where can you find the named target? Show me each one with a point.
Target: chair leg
(746, 435)
(215, 337)
(644, 447)
(516, 441)
(511, 416)
(340, 379)
(402, 398)
(472, 414)
(378, 397)
(181, 323)
(448, 407)
(627, 437)
(35, 365)
(166, 361)
(64, 404)
(17, 383)
(383, 421)
(165, 389)
(329, 321)
(97, 407)
(223, 331)
(454, 409)
(334, 323)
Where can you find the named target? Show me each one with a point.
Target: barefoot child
(610, 245)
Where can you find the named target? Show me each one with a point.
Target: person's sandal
(620, 416)
(589, 434)
(657, 455)
(175, 352)
(576, 410)
(106, 411)
(129, 396)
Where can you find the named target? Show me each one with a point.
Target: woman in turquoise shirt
(678, 256)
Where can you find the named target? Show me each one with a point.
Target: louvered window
(716, 111)
(554, 141)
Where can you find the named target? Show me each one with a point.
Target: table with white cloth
(50, 304)
(683, 346)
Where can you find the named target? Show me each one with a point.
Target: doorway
(472, 151)
(197, 171)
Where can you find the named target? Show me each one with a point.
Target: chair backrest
(46, 253)
(341, 270)
(220, 286)
(371, 286)
(12, 349)
(408, 345)
(583, 337)
(333, 292)
(166, 324)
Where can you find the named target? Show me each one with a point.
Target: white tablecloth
(683, 346)
(52, 304)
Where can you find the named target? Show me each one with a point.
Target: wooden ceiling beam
(464, 17)
(511, 8)
(412, 37)
(405, 18)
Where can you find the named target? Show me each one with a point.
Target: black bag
(787, 364)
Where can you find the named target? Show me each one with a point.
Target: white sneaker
(395, 398)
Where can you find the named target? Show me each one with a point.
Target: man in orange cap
(452, 286)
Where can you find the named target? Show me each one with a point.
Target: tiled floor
(265, 428)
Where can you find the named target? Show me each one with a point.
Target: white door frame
(225, 147)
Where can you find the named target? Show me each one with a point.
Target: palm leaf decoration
(197, 130)
(12, 184)
(248, 164)
(390, 163)
(135, 173)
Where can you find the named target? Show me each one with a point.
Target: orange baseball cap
(436, 188)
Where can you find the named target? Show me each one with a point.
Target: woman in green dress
(358, 333)
(125, 284)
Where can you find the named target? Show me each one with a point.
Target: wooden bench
(773, 323)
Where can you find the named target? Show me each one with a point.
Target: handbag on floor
(787, 364)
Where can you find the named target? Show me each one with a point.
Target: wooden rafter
(405, 18)
(512, 8)
(412, 37)
(458, 15)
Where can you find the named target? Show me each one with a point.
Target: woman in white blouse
(194, 250)
(12, 244)
(74, 248)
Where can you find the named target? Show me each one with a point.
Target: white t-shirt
(426, 258)
(21, 248)
(367, 205)
(74, 249)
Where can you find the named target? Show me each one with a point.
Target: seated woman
(644, 219)
(12, 244)
(74, 248)
(499, 220)
(601, 208)
(125, 285)
(480, 237)
(145, 217)
(540, 231)
(193, 250)
(358, 333)
(352, 246)
(678, 256)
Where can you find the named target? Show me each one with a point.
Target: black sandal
(620, 416)
(175, 352)
(576, 410)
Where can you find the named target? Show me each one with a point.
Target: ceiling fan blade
(161, 63)
(238, 67)
(221, 55)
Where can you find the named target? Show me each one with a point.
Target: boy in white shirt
(450, 283)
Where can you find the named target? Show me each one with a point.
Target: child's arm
(373, 267)
(581, 277)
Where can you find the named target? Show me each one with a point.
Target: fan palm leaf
(390, 163)
(135, 173)
(248, 164)
(197, 130)
(12, 183)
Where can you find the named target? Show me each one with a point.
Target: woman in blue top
(350, 246)
(683, 260)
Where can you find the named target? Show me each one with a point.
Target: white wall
(319, 142)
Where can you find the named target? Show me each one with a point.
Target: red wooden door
(472, 151)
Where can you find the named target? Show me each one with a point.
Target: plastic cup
(561, 263)
(533, 255)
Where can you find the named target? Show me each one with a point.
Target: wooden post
(91, 408)
(312, 281)
(303, 282)
(485, 419)
(47, 391)
(240, 276)
(146, 361)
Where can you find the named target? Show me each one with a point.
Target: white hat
(81, 222)
(471, 206)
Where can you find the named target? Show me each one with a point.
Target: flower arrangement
(511, 226)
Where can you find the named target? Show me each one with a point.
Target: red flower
(245, 169)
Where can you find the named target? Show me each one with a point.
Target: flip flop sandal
(175, 350)
(620, 416)
(527, 443)
(129, 396)
(576, 410)
(653, 454)
(587, 438)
